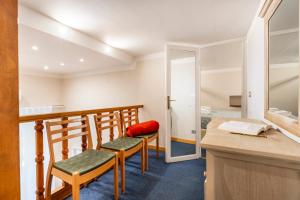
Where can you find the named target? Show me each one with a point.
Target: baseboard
(183, 140)
(153, 147)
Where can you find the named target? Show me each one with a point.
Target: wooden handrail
(39, 149)
(31, 118)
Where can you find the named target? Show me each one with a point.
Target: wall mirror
(282, 102)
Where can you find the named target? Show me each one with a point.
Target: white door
(182, 103)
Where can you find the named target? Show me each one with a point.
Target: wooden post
(39, 159)
(122, 122)
(99, 132)
(65, 144)
(65, 148)
(111, 129)
(83, 138)
(129, 117)
(9, 101)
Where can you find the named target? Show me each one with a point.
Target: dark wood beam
(9, 102)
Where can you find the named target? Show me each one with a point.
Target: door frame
(196, 49)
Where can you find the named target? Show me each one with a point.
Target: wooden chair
(126, 146)
(83, 167)
(131, 117)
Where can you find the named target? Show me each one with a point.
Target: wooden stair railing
(65, 190)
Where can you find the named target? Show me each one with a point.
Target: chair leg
(143, 157)
(122, 165)
(146, 154)
(157, 146)
(116, 181)
(48, 183)
(75, 186)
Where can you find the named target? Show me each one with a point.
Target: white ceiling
(142, 27)
(53, 50)
(284, 48)
(286, 16)
(284, 33)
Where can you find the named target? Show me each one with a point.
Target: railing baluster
(122, 121)
(99, 135)
(65, 145)
(83, 138)
(39, 159)
(111, 130)
(65, 148)
(129, 117)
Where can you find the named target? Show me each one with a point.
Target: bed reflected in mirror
(284, 60)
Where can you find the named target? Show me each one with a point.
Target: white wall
(255, 69)
(151, 92)
(218, 85)
(222, 56)
(100, 91)
(284, 87)
(221, 73)
(40, 91)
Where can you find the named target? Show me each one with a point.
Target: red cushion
(143, 128)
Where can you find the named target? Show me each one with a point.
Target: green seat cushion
(148, 135)
(122, 143)
(85, 161)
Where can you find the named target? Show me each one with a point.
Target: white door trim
(197, 155)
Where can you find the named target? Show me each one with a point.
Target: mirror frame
(267, 11)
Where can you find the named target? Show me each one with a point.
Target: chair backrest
(130, 117)
(109, 121)
(65, 129)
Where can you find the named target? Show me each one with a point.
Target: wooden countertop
(275, 146)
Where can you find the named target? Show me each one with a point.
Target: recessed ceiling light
(81, 60)
(62, 64)
(107, 49)
(46, 67)
(35, 48)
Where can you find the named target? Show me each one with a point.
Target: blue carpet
(181, 149)
(176, 181)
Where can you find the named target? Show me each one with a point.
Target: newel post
(122, 122)
(65, 148)
(111, 129)
(39, 159)
(129, 117)
(83, 138)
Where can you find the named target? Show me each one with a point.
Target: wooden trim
(30, 118)
(284, 123)
(153, 147)
(183, 140)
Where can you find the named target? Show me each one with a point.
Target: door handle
(169, 101)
